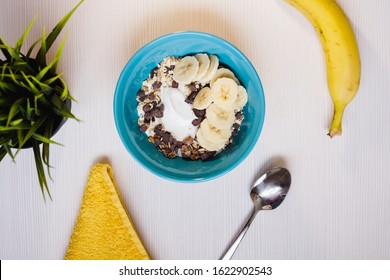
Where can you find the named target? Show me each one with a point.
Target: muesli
(191, 106)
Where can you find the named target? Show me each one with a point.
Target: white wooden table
(338, 205)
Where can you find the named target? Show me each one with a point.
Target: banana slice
(242, 98)
(203, 99)
(223, 73)
(208, 145)
(214, 63)
(220, 117)
(224, 92)
(213, 134)
(204, 64)
(186, 70)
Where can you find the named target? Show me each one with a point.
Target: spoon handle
(233, 247)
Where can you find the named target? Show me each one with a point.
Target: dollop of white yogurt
(178, 114)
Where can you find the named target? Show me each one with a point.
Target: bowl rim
(215, 175)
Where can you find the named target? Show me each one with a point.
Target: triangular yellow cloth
(103, 229)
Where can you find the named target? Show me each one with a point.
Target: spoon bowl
(267, 193)
(271, 188)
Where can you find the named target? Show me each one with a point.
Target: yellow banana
(341, 51)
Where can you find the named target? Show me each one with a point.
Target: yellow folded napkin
(103, 228)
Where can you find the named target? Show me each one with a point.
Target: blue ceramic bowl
(138, 69)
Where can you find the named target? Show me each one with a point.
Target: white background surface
(338, 205)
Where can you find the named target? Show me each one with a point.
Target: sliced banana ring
(214, 134)
(242, 98)
(220, 117)
(208, 145)
(186, 70)
(204, 64)
(214, 63)
(224, 92)
(203, 99)
(223, 73)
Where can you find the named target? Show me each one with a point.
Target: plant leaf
(29, 110)
(19, 43)
(3, 152)
(4, 50)
(40, 170)
(31, 87)
(58, 55)
(12, 53)
(16, 127)
(44, 87)
(41, 56)
(15, 78)
(8, 87)
(65, 92)
(52, 80)
(57, 29)
(8, 150)
(43, 72)
(16, 122)
(32, 48)
(15, 108)
(60, 108)
(19, 134)
(46, 146)
(44, 139)
(32, 130)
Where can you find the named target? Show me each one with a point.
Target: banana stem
(335, 128)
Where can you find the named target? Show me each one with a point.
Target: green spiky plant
(34, 99)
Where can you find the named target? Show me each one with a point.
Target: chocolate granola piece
(187, 140)
(156, 85)
(146, 108)
(158, 130)
(179, 144)
(154, 111)
(147, 117)
(239, 115)
(174, 84)
(169, 68)
(166, 136)
(204, 156)
(197, 122)
(192, 87)
(158, 113)
(153, 72)
(151, 96)
(207, 155)
(140, 93)
(190, 98)
(141, 96)
(194, 156)
(236, 126)
(185, 151)
(144, 127)
(199, 113)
